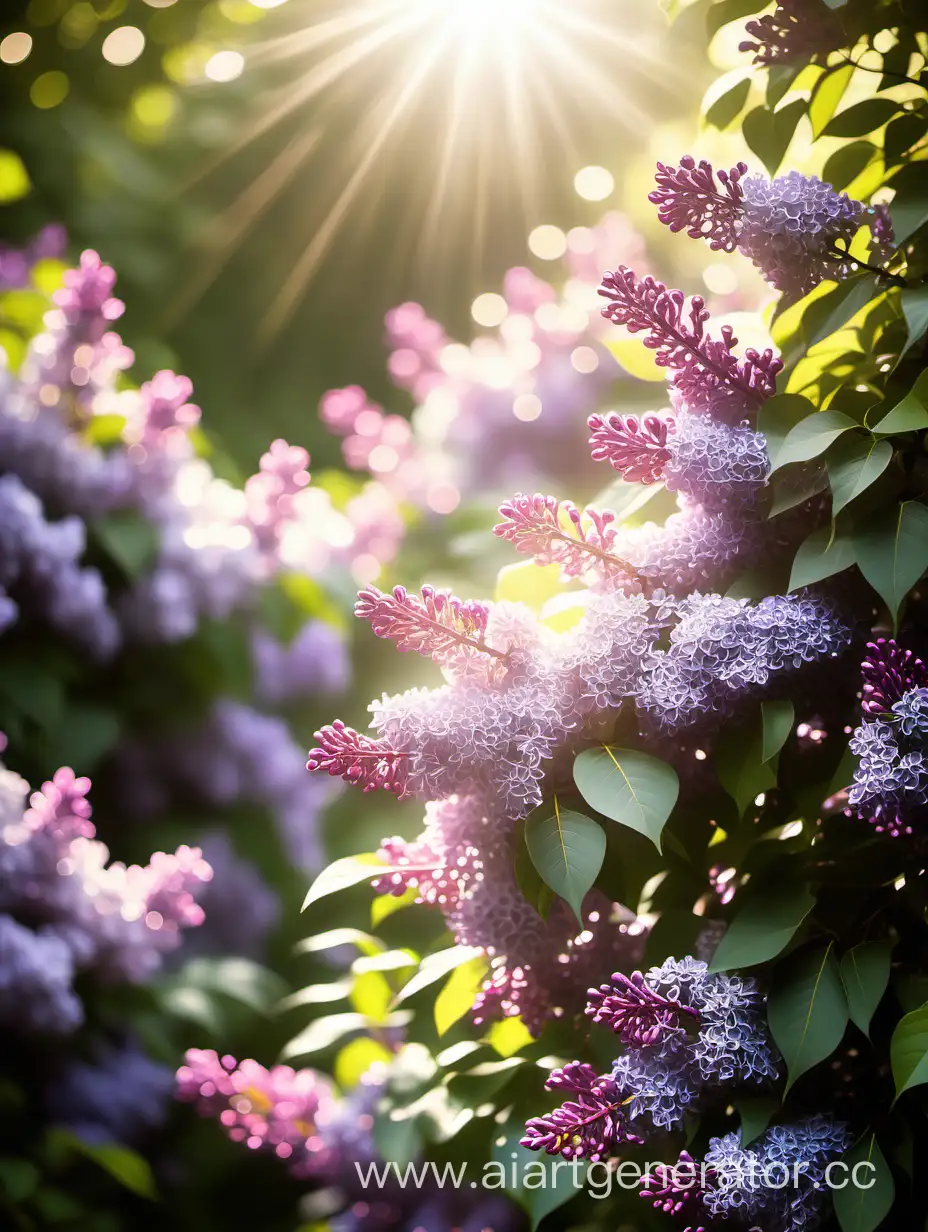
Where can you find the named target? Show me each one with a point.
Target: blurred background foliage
(269, 179)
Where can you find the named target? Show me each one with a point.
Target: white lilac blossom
(690, 1036)
(796, 229)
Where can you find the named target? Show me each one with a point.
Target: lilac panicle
(675, 1193)
(689, 199)
(709, 376)
(797, 30)
(889, 671)
(366, 763)
(635, 1012)
(590, 1126)
(438, 625)
(558, 533)
(635, 445)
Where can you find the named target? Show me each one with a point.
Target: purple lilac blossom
(36, 980)
(635, 445)
(240, 908)
(723, 650)
(314, 662)
(715, 464)
(796, 30)
(739, 1175)
(118, 1096)
(40, 571)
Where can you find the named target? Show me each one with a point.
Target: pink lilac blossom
(795, 228)
(281, 1111)
(116, 921)
(556, 532)
(635, 445)
(439, 625)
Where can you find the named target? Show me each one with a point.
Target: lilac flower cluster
(66, 910)
(778, 1183)
(890, 787)
(322, 1137)
(796, 229)
(118, 1095)
(17, 264)
(689, 1035)
(489, 745)
(236, 755)
(214, 545)
(724, 650)
(796, 30)
(496, 409)
(287, 1112)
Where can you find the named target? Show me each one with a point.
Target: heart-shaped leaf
(629, 787)
(763, 927)
(854, 463)
(892, 552)
(865, 972)
(777, 722)
(807, 1010)
(909, 415)
(864, 1201)
(568, 850)
(909, 1050)
(812, 436)
(344, 873)
(822, 555)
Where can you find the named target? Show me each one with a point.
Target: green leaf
(458, 995)
(385, 905)
(727, 11)
(19, 1178)
(356, 1058)
(124, 1165)
(777, 721)
(104, 430)
(865, 1199)
(909, 415)
(807, 1010)
(812, 436)
(343, 873)
(862, 119)
(826, 96)
(763, 927)
(865, 972)
(741, 769)
(568, 850)
(240, 978)
(854, 464)
(14, 179)
(532, 1180)
(847, 163)
(822, 555)
(915, 310)
(130, 540)
(840, 305)
(909, 1050)
(336, 937)
(768, 133)
(322, 1033)
(629, 787)
(756, 1113)
(434, 967)
(729, 105)
(892, 552)
(901, 135)
(509, 1036)
(778, 416)
(795, 486)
